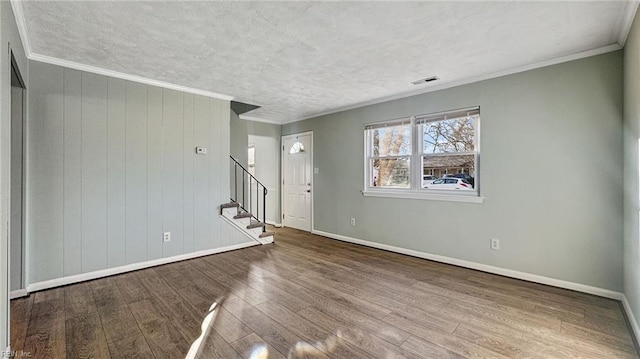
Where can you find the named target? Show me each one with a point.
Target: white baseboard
(131, 267)
(481, 267)
(277, 225)
(632, 319)
(19, 293)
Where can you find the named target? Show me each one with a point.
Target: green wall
(551, 174)
(631, 191)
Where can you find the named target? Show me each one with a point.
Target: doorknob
(308, 191)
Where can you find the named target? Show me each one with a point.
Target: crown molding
(511, 71)
(623, 32)
(627, 21)
(16, 6)
(259, 119)
(124, 76)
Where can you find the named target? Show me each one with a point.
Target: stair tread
(230, 205)
(243, 215)
(256, 224)
(266, 234)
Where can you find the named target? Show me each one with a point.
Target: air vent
(423, 81)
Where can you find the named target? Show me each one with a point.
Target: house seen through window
(433, 153)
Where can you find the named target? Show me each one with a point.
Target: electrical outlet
(353, 222)
(166, 236)
(495, 244)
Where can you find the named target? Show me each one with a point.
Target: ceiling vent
(424, 81)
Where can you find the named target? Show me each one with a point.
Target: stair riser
(242, 223)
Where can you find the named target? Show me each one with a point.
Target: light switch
(315, 170)
(201, 150)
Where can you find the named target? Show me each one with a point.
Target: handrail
(243, 204)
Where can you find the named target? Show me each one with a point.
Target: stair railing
(246, 176)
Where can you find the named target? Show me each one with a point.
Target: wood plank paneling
(94, 172)
(172, 171)
(45, 186)
(188, 174)
(201, 173)
(222, 165)
(136, 173)
(154, 173)
(116, 173)
(214, 176)
(72, 172)
(112, 165)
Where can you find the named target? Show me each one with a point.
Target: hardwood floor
(307, 296)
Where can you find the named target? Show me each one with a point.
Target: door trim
(282, 140)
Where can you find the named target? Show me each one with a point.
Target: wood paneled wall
(112, 164)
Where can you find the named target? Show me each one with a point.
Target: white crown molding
(130, 267)
(625, 26)
(22, 26)
(631, 318)
(258, 119)
(481, 267)
(123, 76)
(515, 70)
(623, 32)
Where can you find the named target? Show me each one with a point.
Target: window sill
(449, 197)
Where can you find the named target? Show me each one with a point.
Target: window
(297, 147)
(424, 156)
(390, 154)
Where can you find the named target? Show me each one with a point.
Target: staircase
(244, 209)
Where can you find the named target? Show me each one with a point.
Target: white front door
(296, 181)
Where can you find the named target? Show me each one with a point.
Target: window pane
(387, 172)
(391, 141)
(449, 136)
(455, 165)
(297, 147)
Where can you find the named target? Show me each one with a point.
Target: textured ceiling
(300, 59)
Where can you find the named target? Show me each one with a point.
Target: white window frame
(415, 191)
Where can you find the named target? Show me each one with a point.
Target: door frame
(22, 291)
(282, 154)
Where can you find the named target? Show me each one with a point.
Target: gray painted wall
(112, 164)
(631, 150)
(265, 137)
(9, 40)
(551, 175)
(267, 166)
(239, 138)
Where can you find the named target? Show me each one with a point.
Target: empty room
(311, 179)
